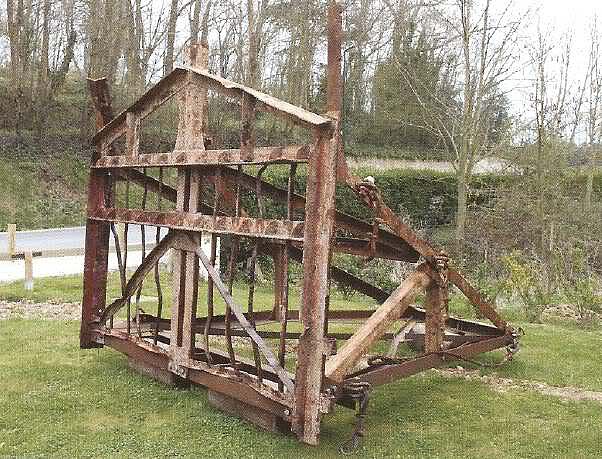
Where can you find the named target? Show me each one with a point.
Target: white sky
(566, 15)
(557, 19)
(564, 12)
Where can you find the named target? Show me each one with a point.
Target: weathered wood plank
(391, 310)
(434, 324)
(257, 416)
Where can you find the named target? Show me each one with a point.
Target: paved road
(67, 239)
(484, 166)
(71, 241)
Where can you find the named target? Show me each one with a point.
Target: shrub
(526, 279)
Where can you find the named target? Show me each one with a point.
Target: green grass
(69, 289)
(60, 401)
(558, 355)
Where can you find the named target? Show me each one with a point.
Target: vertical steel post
(434, 324)
(334, 103)
(192, 106)
(97, 233)
(325, 166)
(319, 228)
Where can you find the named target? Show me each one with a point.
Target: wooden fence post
(28, 271)
(12, 239)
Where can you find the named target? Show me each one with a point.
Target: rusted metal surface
(355, 226)
(156, 96)
(257, 416)
(244, 322)
(97, 233)
(477, 299)
(264, 102)
(435, 318)
(222, 379)
(363, 248)
(389, 373)
(302, 362)
(132, 285)
(259, 155)
(179, 79)
(192, 106)
(317, 242)
(188, 221)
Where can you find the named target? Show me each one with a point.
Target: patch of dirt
(569, 313)
(504, 385)
(48, 311)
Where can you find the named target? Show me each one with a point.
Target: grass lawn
(57, 400)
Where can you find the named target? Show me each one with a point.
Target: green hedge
(426, 198)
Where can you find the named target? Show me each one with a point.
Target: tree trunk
(17, 41)
(589, 189)
(461, 210)
(42, 83)
(253, 67)
(195, 22)
(464, 153)
(13, 39)
(134, 76)
(205, 25)
(171, 37)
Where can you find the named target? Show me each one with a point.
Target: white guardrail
(18, 249)
(60, 251)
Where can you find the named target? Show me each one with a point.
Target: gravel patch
(503, 385)
(46, 311)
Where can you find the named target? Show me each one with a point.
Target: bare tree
(593, 114)
(477, 46)
(256, 20)
(488, 45)
(20, 34)
(171, 37)
(198, 27)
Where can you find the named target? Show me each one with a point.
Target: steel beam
(389, 373)
(190, 221)
(319, 231)
(97, 232)
(259, 155)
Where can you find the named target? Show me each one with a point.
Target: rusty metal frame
(207, 199)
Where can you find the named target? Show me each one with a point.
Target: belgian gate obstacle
(282, 368)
